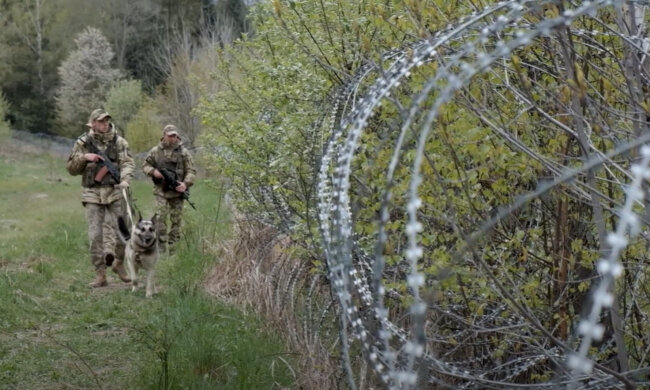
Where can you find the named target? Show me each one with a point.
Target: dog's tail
(123, 229)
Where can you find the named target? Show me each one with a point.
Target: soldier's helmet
(97, 115)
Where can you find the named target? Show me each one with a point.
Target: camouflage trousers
(102, 232)
(171, 209)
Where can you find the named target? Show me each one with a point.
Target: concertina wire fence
(509, 68)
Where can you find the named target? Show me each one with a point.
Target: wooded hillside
(46, 70)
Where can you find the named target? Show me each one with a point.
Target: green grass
(57, 333)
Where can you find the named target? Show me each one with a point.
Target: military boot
(100, 278)
(118, 268)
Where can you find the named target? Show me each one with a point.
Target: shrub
(144, 129)
(124, 100)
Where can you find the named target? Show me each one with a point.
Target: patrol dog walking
(141, 251)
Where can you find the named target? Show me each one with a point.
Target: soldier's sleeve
(127, 166)
(190, 170)
(76, 161)
(147, 165)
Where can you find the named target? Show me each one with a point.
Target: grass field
(57, 333)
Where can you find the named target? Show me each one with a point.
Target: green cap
(97, 115)
(170, 129)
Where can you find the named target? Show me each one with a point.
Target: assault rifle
(106, 166)
(170, 183)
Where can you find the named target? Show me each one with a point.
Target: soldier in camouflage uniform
(102, 194)
(172, 156)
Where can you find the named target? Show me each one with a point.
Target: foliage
(123, 101)
(28, 62)
(185, 59)
(144, 130)
(268, 140)
(4, 111)
(178, 96)
(425, 173)
(37, 35)
(87, 76)
(261, 121)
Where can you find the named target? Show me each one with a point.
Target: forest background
(61, 58)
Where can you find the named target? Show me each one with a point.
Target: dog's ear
(154, 220)
(139, 217)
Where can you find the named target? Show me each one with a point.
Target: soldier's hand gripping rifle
(106, 166)
(170, 183)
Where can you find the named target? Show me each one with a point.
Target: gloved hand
(124, 185)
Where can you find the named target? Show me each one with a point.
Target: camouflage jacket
(175, 158)
(117, 150)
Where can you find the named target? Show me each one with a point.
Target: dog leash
(128, 206)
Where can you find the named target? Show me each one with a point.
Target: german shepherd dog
(141, 250)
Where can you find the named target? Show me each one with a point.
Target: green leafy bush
(144, 130)
(494, 141)
(124, 100)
